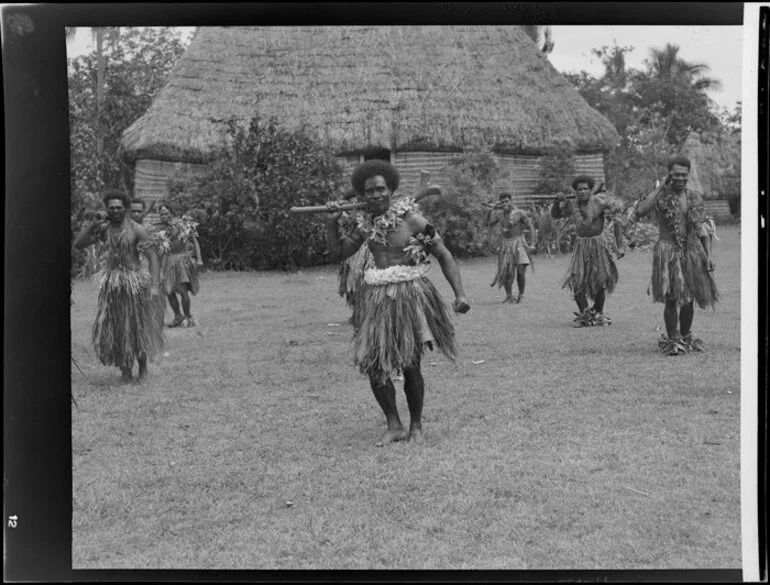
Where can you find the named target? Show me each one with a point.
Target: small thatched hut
(413, 94)
(716, 170)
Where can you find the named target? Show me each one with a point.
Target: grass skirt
(128, 321)
(512, 252)
(682, 275)
(592, 267)
(394, 316)
(179, 269)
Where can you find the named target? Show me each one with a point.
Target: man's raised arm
(340, 248)
(645, 204)
(491, 217)
(561, 207)
(89, 235)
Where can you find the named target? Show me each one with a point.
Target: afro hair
(679, 160)
(373, 168)
(583, 179)
(116, 194)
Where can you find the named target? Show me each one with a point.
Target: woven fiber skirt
(399, 319)
(129, 322)
(682, 275)
(592, 267)
(512, 253)
(179, 269)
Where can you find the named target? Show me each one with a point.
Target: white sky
(720, 47)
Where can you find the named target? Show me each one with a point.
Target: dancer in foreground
(402, 312)
(682, 265)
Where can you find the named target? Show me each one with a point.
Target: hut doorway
(377, 153)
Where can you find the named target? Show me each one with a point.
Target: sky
(720, 47)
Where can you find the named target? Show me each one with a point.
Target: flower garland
(394, 274)
(383, 225)
(179, 228)
(380, 227)
(185, 228)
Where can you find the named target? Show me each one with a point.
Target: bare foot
(126, 378)
(508, 300)
(142, 375)
(415, 436)
(391, 436)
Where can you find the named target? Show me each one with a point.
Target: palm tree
(100, 34)
(614, 61)
(677, 90)
(665, 64)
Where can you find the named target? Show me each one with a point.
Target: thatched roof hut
(716, 163)
(402, 89)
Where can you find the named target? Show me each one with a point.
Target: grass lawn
(250, 446)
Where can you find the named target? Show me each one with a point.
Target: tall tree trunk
(100, 66)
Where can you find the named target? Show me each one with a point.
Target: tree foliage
(243, 201)
(654, 111)
(458, 214)
(137, 61)
(557, 169)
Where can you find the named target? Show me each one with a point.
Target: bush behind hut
(458, 214)
(242, 203)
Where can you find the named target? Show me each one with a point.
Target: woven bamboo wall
(151, 180)
(523, 173)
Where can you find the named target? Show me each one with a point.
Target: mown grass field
(250, 446)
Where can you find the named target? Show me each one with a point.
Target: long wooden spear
(425, 189)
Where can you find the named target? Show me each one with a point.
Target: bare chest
(396, 238)
(513, 222)
(588, 212)
(122, 245)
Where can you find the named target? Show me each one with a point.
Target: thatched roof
(716, 163)
(412, 87)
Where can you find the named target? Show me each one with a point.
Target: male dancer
(682, 265)
(129, 318)
(512, 258)
(402, 311)
(592, 272)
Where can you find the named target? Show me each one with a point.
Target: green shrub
(557, 169)
(458, 214)
(242, 203)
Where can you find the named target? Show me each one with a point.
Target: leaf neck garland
(181, 228)
(380, 227)
(668, 204)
